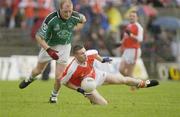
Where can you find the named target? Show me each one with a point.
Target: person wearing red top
(82, 66)
(131, 45)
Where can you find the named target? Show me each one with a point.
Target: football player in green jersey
(54, 37)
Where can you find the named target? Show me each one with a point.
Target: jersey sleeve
(137, 30)
(91, 52)
(45, 30)
(69, 71)
(140, 33)
(78, 17)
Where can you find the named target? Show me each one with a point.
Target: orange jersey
(137, 30)
(74, 73)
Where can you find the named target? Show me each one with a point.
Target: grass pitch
(160, 101)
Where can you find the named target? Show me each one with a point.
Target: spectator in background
(86, 9)
(2, 12)
(44, 8)
(29, 12)
(114, 17)
(156, 3)
(163, 43)
(11, 13)
(75, 3)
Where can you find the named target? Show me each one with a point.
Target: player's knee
(104, 102)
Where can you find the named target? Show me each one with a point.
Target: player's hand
(128, 32)
(80, 90)
(106, 59)
(53, 53)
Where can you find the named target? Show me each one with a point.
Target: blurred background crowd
(106, 19)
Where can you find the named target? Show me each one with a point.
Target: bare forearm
(42, 42)
(138, 37)
(133, 37)
(99, 58)
(71, 86)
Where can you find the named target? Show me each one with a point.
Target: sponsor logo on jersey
(70, 25)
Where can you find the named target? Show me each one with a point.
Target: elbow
(37, 37)
(141, 39)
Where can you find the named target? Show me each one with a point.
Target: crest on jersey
(44, 27)
(70, 25)
(56, 27)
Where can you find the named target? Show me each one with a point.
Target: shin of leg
(132, 81)
(57, 85)
(59, 71)
(96, 98)
(114, 79)
(120, 79)
(38, 69)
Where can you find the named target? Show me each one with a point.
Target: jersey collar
(58, 14)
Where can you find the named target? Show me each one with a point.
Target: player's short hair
(135, 11)
(61, 2)
(77, 48)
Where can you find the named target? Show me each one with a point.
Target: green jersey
(55, 30)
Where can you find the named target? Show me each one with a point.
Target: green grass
(160, 101)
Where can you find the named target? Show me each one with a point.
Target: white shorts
(130, 55)
(63, 53)
(100, 77)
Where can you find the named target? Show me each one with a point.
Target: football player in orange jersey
(82, 67)
(131, 45)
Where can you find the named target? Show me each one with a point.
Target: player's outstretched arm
(82, 18)
(103, 59)
(78, 89)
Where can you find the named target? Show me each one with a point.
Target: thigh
(114, 78)
(43, 56)
(131, 55)
(41, 65)
(96, 98)
(100, 77)
(63, 52)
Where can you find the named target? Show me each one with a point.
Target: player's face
(66, 10)
(133, 17)
(80, 55)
